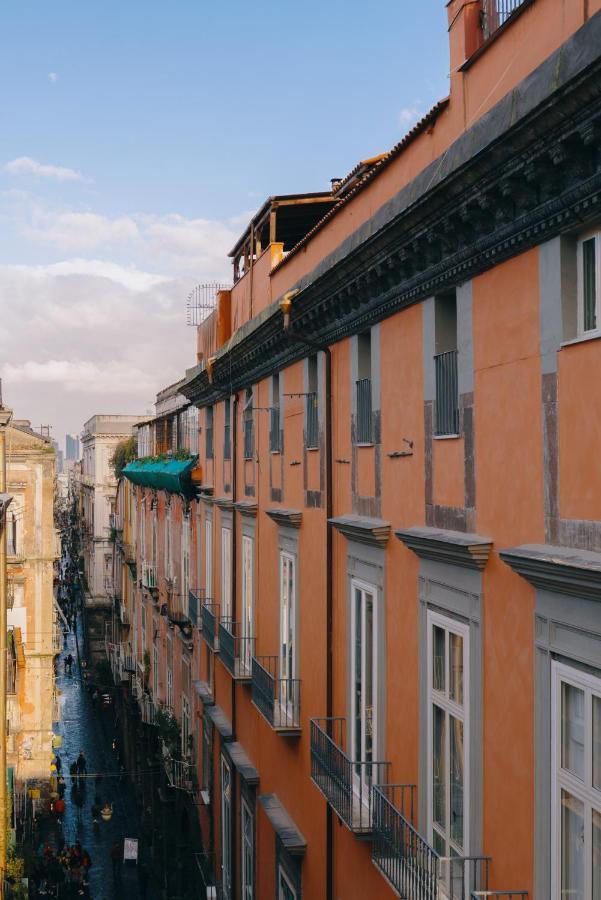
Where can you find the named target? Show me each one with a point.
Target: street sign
(130, 849)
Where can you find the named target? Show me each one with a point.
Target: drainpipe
(286, 306)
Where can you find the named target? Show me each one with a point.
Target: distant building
(71, 446)
(59, 456)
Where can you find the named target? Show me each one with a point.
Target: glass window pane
(597, 743)
(369, 686)
(357, 676)
(457, 779)
(439, 843)
(572, 729)
(456, 668)
(439, 778)
(438, 658)
(572, 847)
(589, 284)
(596, 855)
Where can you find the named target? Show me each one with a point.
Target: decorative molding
(223, 502)
(525, 172)
(221, 722)
(246, 508)
(563, 570)
(455, 547)
(362, 529)
(290, 517)
(242, 763)
(204, 692)
(283, 825)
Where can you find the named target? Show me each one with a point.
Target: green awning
(173, 475)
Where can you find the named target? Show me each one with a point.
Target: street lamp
(5, 417)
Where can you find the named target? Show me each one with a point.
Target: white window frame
(226, 831)
(587, 236)
(155, 542)
(362, 780)
(247, 878)
(282, 877)
(208, 558)
(247, 616)
(226, 572)
(562, 779)
(168, 548)
(185, 586)
(288, 669)
(450, 626)
(169, 698)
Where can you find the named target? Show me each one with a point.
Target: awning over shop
(173, 475)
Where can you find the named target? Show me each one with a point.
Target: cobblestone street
(86, 726)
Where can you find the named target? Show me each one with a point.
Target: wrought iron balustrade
(208, 867)
(277, 699)
(345, 783)
(447, 397)
(363, 427)
(311, 421)
(496, 12)
(194, 604)
(501, 895)
(147, 709)
(209, 614)
(235, 652)
(181, 774)
(149, 576)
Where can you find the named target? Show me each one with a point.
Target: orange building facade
(364, 541)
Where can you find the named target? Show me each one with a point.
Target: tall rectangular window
(364, 663)
(169, 697)
(285, 888)
(185, 586)
(288, 649)
(208, 558)
(363, 399)
(185, 733)
(155, 673)
(155, 526)
(589, 283)
(274, 426)
(448, 691)
(247, 836)
(168, 561)
(207, 754)
(576, 788)
(227, 432)
(248, 421)
(445, 365)
(226, 572)
(247, 612)
(312, 405)
(226, 829)
(209, 432)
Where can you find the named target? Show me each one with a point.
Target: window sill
(365, 444)
(446, 437)
(312, 449)
(582, 339)
(276, 452)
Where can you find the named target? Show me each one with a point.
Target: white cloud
(25, 165)
(79, 230)
(79, 376)
(53, 77)
(411, 114)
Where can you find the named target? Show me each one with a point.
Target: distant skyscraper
(71, 446)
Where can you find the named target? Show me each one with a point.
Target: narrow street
(89, 727)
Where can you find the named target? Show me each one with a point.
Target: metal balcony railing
(503, 895)
(363, 430)
(345, 783)
(249, 438)
(194, 605)
(149, 576)
(209, 614)
(311, 421)
(274, 430)
(496, 12)
(236, 653)
(447, 398)
(147, 709)
(277, 699)
(181, 774)
(208, 867)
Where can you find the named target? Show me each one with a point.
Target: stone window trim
(291, 518)
(445, 546)
(286, 830)
(563, 570)
(239, 760)
(246, 508)
(362, 529)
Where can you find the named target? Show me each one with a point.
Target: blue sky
(137, 137)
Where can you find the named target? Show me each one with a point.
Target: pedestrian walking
(117, 859)
(58, 763)
(81, 763)
(61, 786)
(73, 770)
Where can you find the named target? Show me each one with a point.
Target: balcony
(277, 699)
(194, 604)
(147, 709)
(150, 579)
(236, 653)
(501, 895)
(209, 616)
(496, 13)
(345, 783)
(181, 774)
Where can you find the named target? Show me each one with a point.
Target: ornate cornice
(440, 545)
(246, 508)
(242, 763)
(374, 532)
(224, 502)
(562, 570)
(528, 170)
(290, 517)
(283, 825)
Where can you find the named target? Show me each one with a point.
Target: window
(209, 432)
(155, 673)
(143, 528)
(274, 429)
(312, 405)
(364, 662)
(143, 629)
(12, 533)
(445, 365)
(288, 650)
(363, 425)
(185, 562)
(207, 755)
(248, 420)
(169, 697)
(576, 789)
(208, 558)
(247, 833)
(226, 829)
(285, 889)
(226, 572)
(227, 439)
(448, 737)
(589, 283)
(168, 561)
(247, 614)
(186, 734)
(154, 534)
(192, 425)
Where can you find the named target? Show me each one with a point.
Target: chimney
(465, 30)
